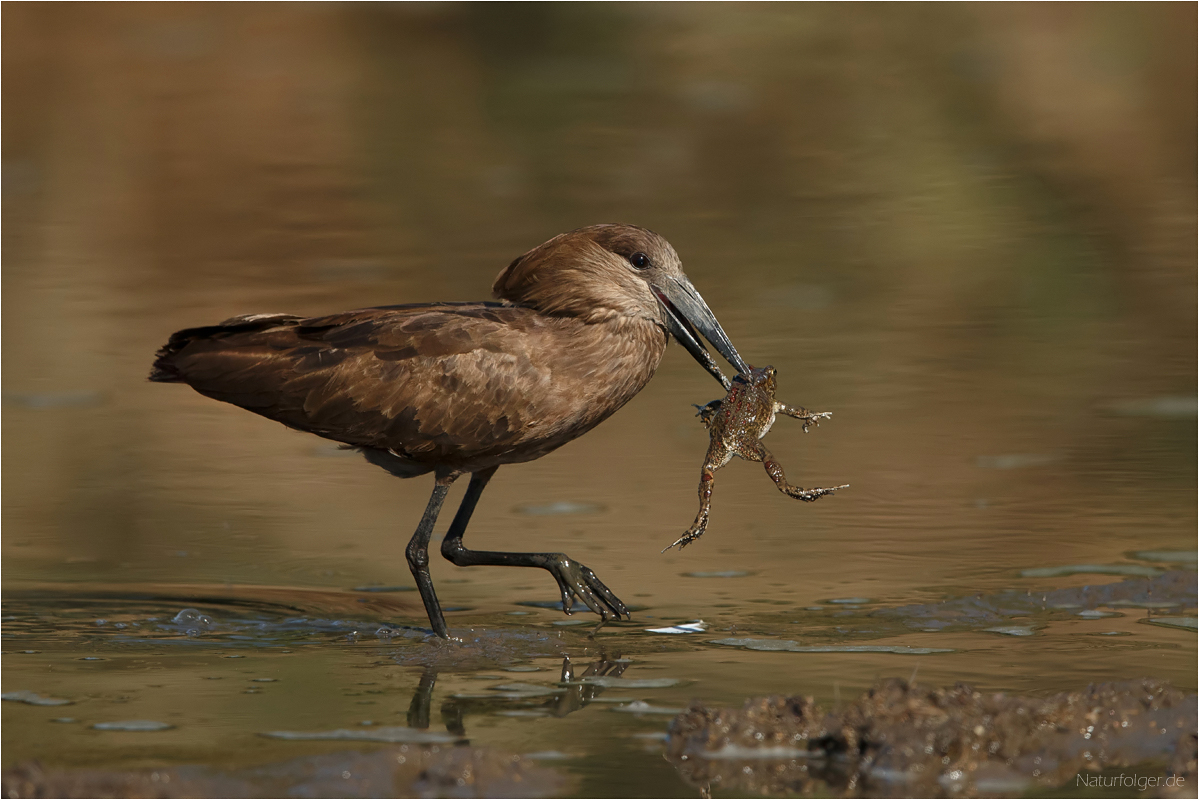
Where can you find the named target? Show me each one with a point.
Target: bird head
(605, 272)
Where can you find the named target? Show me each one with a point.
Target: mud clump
(405, 771)
(900, 739)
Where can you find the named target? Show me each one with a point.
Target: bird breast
(540, 390)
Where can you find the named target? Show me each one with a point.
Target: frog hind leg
(707, 477)
(775, 470)
(808, 417)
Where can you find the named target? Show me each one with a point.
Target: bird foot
(576, 580)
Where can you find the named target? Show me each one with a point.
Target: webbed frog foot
(813, 418)
(808, 495)
(708, 410)
(690, 536)
(809, 418)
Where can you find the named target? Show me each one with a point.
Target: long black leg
(418, 553)
(453, 537)
(573, 578)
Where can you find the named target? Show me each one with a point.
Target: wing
(428, 382)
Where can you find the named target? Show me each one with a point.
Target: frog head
(762, 378)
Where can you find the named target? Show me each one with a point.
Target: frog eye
(640, 261)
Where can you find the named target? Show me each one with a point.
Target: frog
(736, 424)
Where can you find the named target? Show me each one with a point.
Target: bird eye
(639, 260)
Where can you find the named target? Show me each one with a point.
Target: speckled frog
(737, 424)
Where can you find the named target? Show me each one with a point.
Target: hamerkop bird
(581, 324)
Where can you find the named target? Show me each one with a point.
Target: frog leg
(808, 417)
(706, 478)
(775, 470)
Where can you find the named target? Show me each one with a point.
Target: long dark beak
(686, 313)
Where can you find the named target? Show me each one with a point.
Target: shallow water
(994, 299)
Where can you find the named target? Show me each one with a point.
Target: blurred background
(968, 230)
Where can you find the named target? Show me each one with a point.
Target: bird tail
(165, 368)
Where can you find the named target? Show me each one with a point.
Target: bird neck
(606, 362)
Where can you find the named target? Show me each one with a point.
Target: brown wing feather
(427, 382)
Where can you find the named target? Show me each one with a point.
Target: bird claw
(578, 581)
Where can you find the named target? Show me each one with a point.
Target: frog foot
(808, 495)
(707, 410)
(813, 418)
(687, 538)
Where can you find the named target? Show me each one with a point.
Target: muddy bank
(404, 771)
(901, 739)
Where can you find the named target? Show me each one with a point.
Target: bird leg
(775, 470)
(422, 699)
(574, 579)
(707, 477)
(418, 552)
(808, 417)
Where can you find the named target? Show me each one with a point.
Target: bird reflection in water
(574, 692)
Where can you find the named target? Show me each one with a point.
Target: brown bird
(581, 325)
